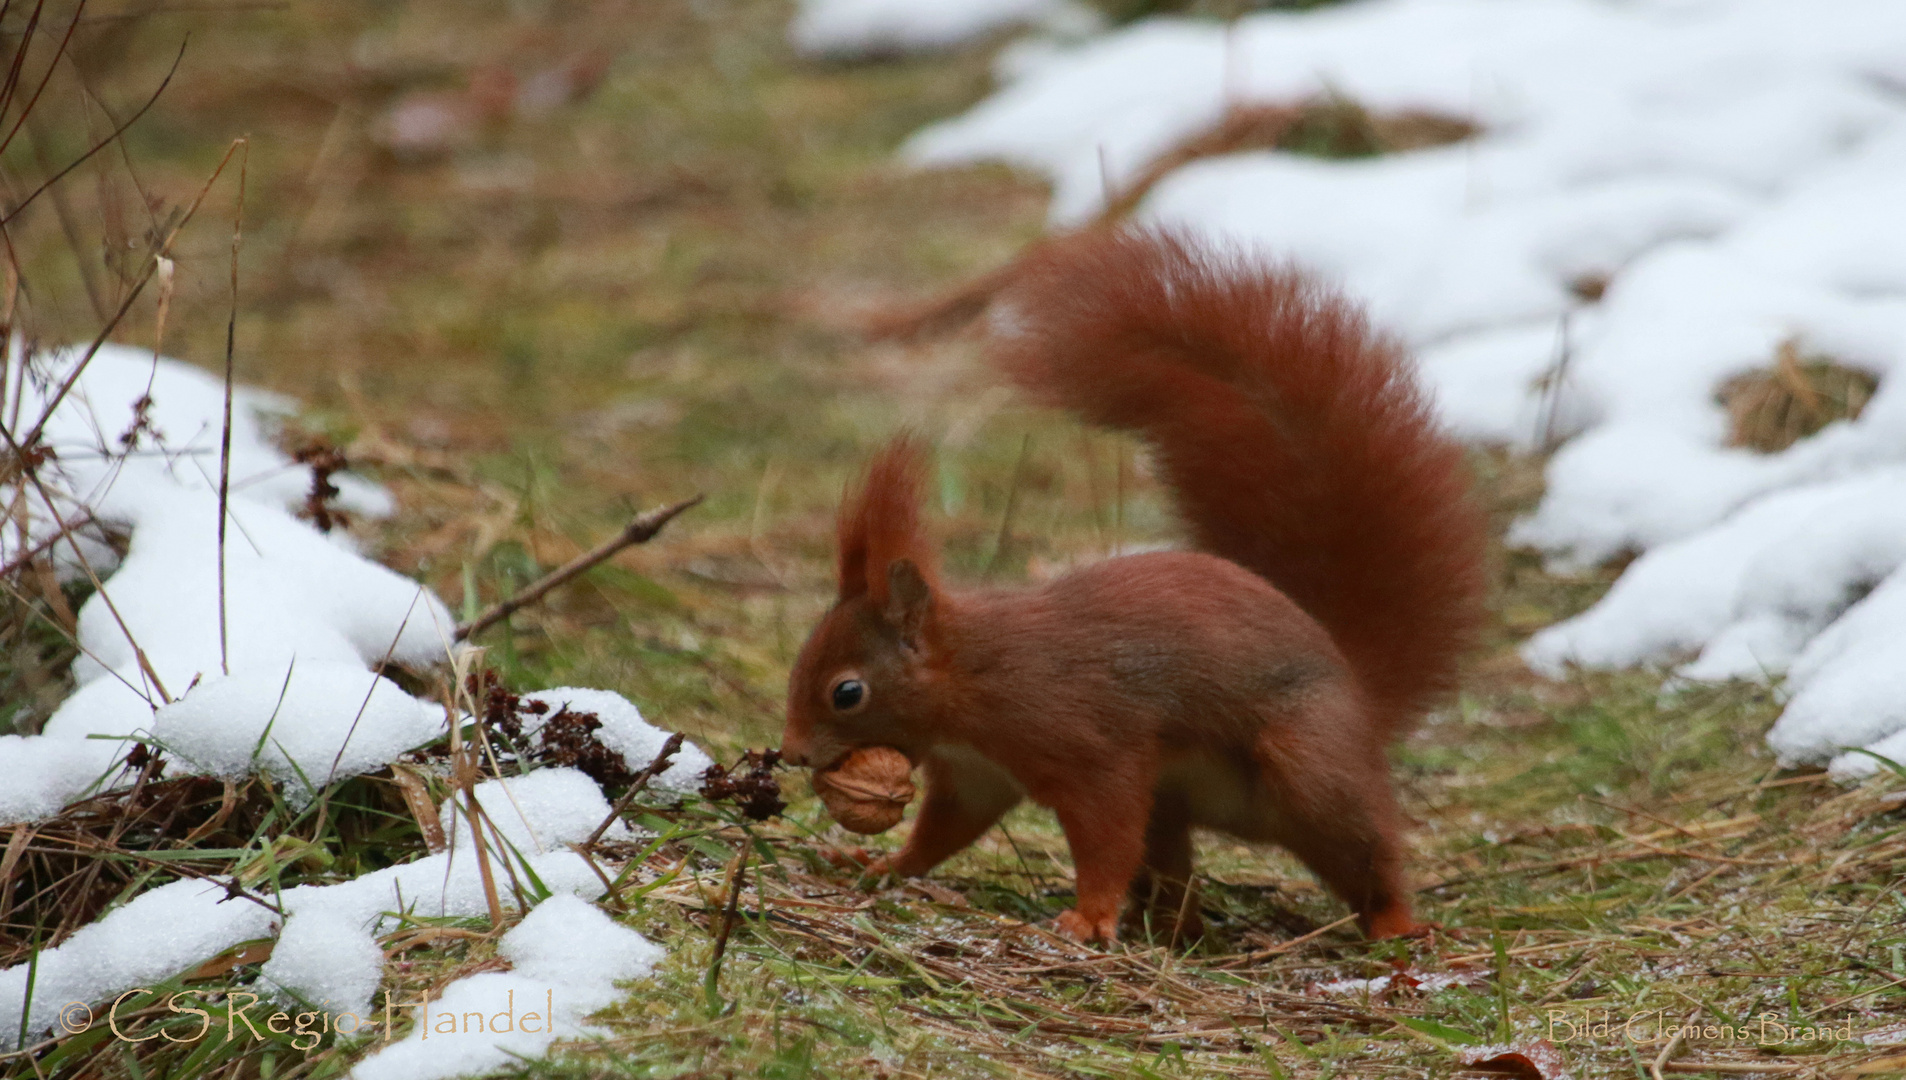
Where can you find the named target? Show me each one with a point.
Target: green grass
(654, 292)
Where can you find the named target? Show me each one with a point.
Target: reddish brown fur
(1293, 436)
(881, 523)
(1251, 690)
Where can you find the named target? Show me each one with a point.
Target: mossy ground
(653, 291)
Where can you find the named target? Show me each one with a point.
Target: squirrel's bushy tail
(1293, 435)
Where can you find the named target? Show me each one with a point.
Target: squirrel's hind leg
(1105, 820)
(1333, 807)
(1164, 894)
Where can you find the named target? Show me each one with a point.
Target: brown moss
(1771, 409)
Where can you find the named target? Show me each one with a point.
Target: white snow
(158, 934)
(546, 810)
(1730, 168)
(859, 28)
(286, 691)
(327, 719)
(565, 957)
(327, 959)
(298, 605)
(624, 731)
(326, 954)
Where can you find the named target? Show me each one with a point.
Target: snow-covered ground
(303, 615)
(1732, 169)
(266, 668)
(859, 28)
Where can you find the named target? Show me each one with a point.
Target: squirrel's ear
(881, 522)
(909, 608)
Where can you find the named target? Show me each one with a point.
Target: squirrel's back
(1293, 436)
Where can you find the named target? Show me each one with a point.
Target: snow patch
(566, 958)
(1723, 175)
(624, 731)
(303, 614)
(846, 29)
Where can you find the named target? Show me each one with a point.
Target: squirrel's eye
(848, 694)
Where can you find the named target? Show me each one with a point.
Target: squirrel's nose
(795, 750)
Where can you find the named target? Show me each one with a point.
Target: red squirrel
(1251, 686)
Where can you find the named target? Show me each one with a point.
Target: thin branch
(641, 781)
(44, 79)
(19, 58)
(43, 546)
(103, 143)
(638, 531)
(152, 267)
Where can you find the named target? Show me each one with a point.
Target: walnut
(867, 790)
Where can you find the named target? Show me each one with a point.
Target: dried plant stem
(738, 877)
(73, 639)
(1012, 506)
(101, 144)
(1766, 1068)
(41, 547)
(641, 781)
(79, 553)
(1287, 946)
(20, 58)
(225, 436)
(638, 531)
(466, 779)
(1680, 1034)
(132, 295)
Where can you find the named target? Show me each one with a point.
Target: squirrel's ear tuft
(880, 523)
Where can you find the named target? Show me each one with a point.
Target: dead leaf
(1536, 1060)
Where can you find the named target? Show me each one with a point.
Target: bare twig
(152, 268)
(101, 144)
(78, 10)
(638, 531)
(1287, 946)
(42, 546)
(641, 781)
(19, 58)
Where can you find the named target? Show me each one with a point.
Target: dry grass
(1770, 410)
(554, 318)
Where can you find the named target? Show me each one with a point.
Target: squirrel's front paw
(869, 866)
(1085, 929)
(1395, 921)
(853, 858)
